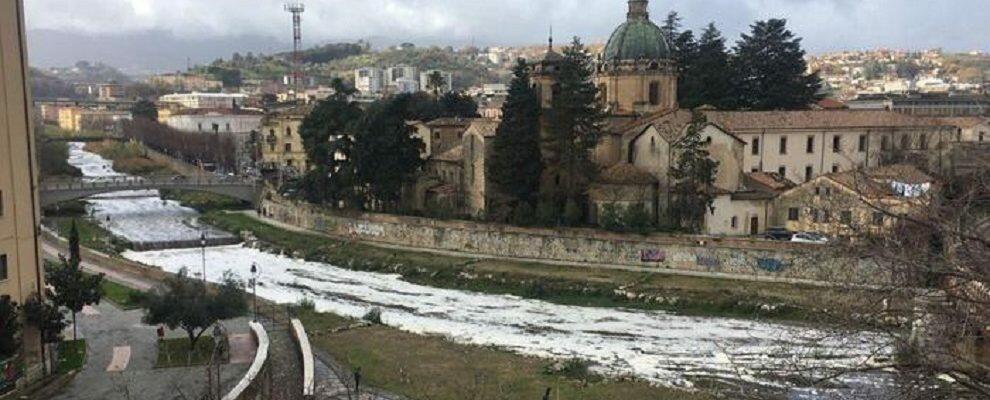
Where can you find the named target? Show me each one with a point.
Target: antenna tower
(296, 9)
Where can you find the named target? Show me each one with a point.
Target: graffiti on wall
(653, 256)
(366, 229)
(708, 260)
(770, 264)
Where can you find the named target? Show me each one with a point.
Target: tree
(9, 327)
(46, 317)
(575, 120)
(185, 303)
(516, 165)
(671, 27)
(706, 79)
(435, 82)
(693, 178)
(70, 286)
(145, 109)
(330, 121)
(386, 155)
(771, 70)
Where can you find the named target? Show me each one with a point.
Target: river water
(659, 347)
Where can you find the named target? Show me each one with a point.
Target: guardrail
(126, 181)
(247, 387)
(306, 352)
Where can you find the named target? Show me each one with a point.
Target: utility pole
(296, 9)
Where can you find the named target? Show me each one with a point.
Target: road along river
(655, 346)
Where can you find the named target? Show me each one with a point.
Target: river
(659, 347)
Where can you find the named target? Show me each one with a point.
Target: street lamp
(202, 245)
(254, 288)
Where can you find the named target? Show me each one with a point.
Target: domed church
(636, 74)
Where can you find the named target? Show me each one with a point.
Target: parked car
(780, 234)
(809, 237)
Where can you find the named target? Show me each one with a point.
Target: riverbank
(683, 295)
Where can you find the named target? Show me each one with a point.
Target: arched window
(288, 131)
(654, 93)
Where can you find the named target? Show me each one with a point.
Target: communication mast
(296, 9)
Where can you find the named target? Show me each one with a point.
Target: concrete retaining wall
(741, 258)
(306, 353)
(182, 167)
(250, 385)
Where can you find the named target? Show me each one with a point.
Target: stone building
(78, 119)
(21, 274)
(243, 126)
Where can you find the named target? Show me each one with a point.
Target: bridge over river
(61, 191)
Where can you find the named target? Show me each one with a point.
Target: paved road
(121, 354)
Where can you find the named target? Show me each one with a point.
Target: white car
(809, 237)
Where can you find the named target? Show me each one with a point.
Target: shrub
(307, 304)
(374, 316)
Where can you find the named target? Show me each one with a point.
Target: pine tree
(575, 120)
(386, 155)
(707, 80)
(671, 27)
(693, 178)
(516, 164)
(771, 70)
(331, 120)
(70, 286)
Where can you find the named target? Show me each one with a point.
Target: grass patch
(91, 234)
(425, 367)
(87, 135)
(174, 353)
(205, 202)
(129, 158)
(71, 355)
(685, 295)
(120, 295)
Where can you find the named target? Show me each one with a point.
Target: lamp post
(202, 245)
(254, 288)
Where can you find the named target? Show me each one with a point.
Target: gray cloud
(825, 24)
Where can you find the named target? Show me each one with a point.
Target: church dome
(637, 38)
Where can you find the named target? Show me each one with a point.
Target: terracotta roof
(965, 122)
(757, 120)
(768, 182)
(216, 111)
(450, 122)
(455, 154)
(626, 174)
(903, 173)
(484, 127)
(860, 183)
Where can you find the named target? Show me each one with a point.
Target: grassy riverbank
(91, 234)
(129, 158)
(567, 285)
(427, 367)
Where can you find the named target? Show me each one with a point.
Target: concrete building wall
(735, 217)
(20, 271)
(282, 145)
(221, 122)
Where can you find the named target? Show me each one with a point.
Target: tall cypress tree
(516, 165)
(707, 80)
(693, 178)
(671, 27)
(386, 155)
(331, 120)
(772, 72)
(575, 120)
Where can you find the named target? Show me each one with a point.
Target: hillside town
(669, 214)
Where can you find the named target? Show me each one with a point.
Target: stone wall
(737, 258)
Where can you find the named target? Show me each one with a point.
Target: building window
(3, 267)
(846, 217)
(653, 144)
(924, 142)
(835, 168)
(288, 147)
(735, 222)
(654, 93)
(809, 172)
(783, 145)
(1, 203)
(288, 131)
(982, 134)
(783, 171)
(828, 191)
(754, 169)
(756, 146)
(884, 143)
(816, 216)
(271, 132)
(228, 127)
(862, 143)
(878, 218)
(826, 216)
(200, 126)
(811, 144)
(905, 142)
(818, 190)
(837, 144)
(793, 214)
(271, 147)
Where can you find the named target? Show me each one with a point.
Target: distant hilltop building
(206, 100)
(371, 81)
(183, 82)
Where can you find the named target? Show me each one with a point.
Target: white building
(369, 80)
(206, 100)
(404, 85)
(401, 72)
(446, 77)
(217, 120)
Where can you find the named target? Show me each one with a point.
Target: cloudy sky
(203, 26)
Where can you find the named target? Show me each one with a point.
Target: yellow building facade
(21, 275)
(281, 144)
